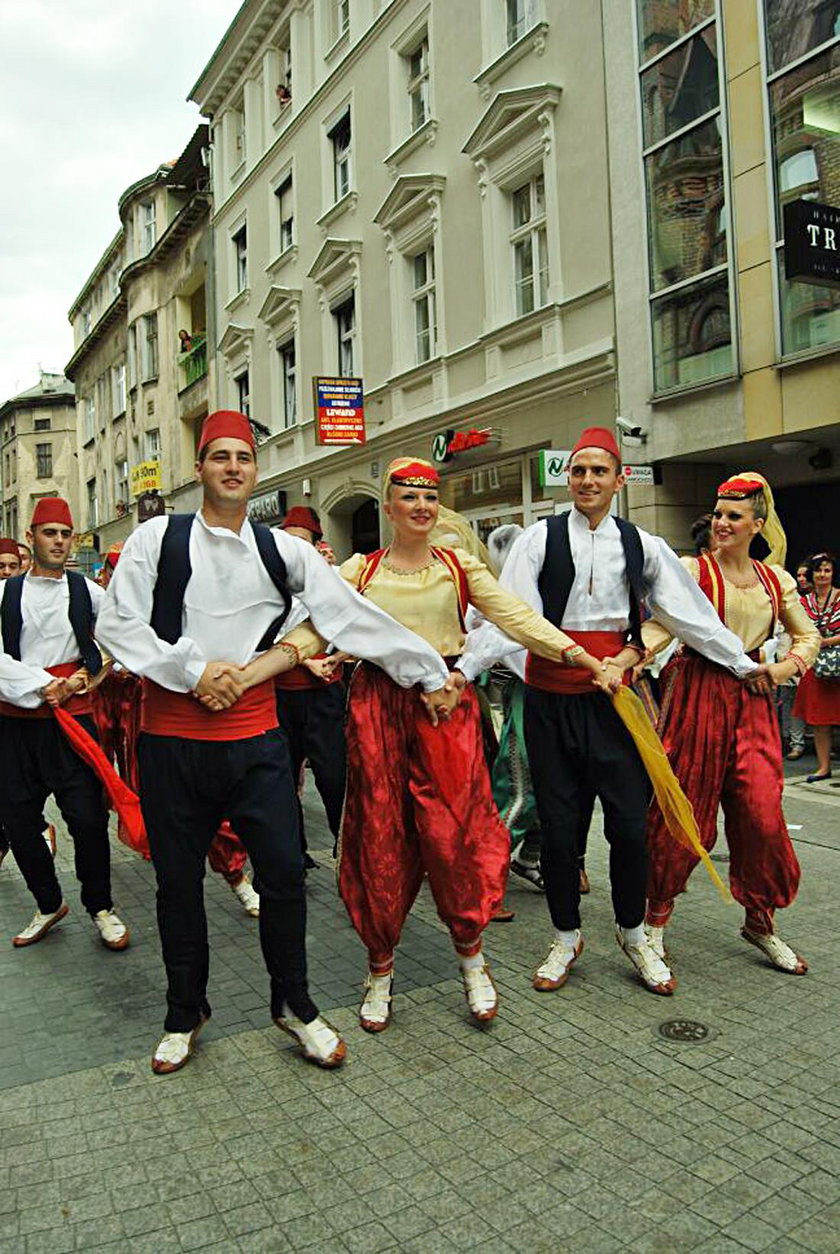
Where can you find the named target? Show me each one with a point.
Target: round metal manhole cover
(683, 1030)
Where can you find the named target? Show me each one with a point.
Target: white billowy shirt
(599, 597)
(231, 601)
(46, 638)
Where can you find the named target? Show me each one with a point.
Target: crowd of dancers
(209, 668)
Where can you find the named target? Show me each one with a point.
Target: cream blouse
(749, 615)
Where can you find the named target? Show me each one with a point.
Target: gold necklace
(397, 570)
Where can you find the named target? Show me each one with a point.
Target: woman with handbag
(818, 697)
(722, 735)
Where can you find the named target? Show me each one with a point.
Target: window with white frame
(42, 424)
(92, 504)
(340, 18)
(153, 444)
(515, 18)
(529, 243)
(149, 362)
(243, 393)
(118, 389)
(417, 69)
(148, 225)
(423, 300)
(288, 375)
(286, 212)
(132, 355)
(121, 481)
(240, 258)
(340, 137)
(344, 316)
(238, 132)
(90, 418)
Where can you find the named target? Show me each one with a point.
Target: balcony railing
(193, 363)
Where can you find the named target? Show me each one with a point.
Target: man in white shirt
(190, 590)
(587, 572)
(49, 657)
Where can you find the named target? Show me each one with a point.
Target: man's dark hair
(701, 534)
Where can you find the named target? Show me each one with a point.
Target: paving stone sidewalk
(568, 1125)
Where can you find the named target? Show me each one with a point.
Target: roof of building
(52, 389)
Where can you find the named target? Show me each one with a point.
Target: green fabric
(511, 778)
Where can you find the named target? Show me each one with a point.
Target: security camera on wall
(631, 433)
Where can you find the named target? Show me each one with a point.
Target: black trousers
(187, 787)
(579, 749)
(312, 720)
(37, 761)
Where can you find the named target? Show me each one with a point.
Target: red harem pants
(418, 802)
(723, 744)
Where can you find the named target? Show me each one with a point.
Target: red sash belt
(80, 703)
(166, 713)
(559, 677)
(299, 678)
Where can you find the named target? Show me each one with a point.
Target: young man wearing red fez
(9, 565)
(194, 607)
(310, 708)
(49, 659)
(587, 572)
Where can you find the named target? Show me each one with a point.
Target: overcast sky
(92, 97)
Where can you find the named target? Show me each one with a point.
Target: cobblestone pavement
(568, 1125)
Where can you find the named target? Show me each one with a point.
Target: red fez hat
(597, 437)
(303, 516)
(113, 554)
(9, 546)
(739, 488)
(226, 424)
(52, 509)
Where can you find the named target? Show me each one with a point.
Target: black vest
(79, 611)
(174, 571)
(558, 572)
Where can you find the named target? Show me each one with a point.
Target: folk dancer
(49, 659)
(588, 572)
(722, 737)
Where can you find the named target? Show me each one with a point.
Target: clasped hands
(61, 690)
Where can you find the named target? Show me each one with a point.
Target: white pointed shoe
(653, 971)
(245, 892)
(480, 992)
(778, 951)
(40, 925)
(554, 972)
(375, 1012)
(656, 936)
(175, 1049)
(112, 931)
(318, 1041)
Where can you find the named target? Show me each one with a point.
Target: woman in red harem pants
(418, 797)
(722, 735)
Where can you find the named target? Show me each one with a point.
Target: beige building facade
(721, 113)
(413, 194)
(37, 451)
(142, 387)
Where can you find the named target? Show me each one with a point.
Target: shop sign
(552, 467)
(339, 410)
(150, 505)
(638, 476)
(268, 507)
(447, 445)
(87, 540)
(812, 243)
(146, 477)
